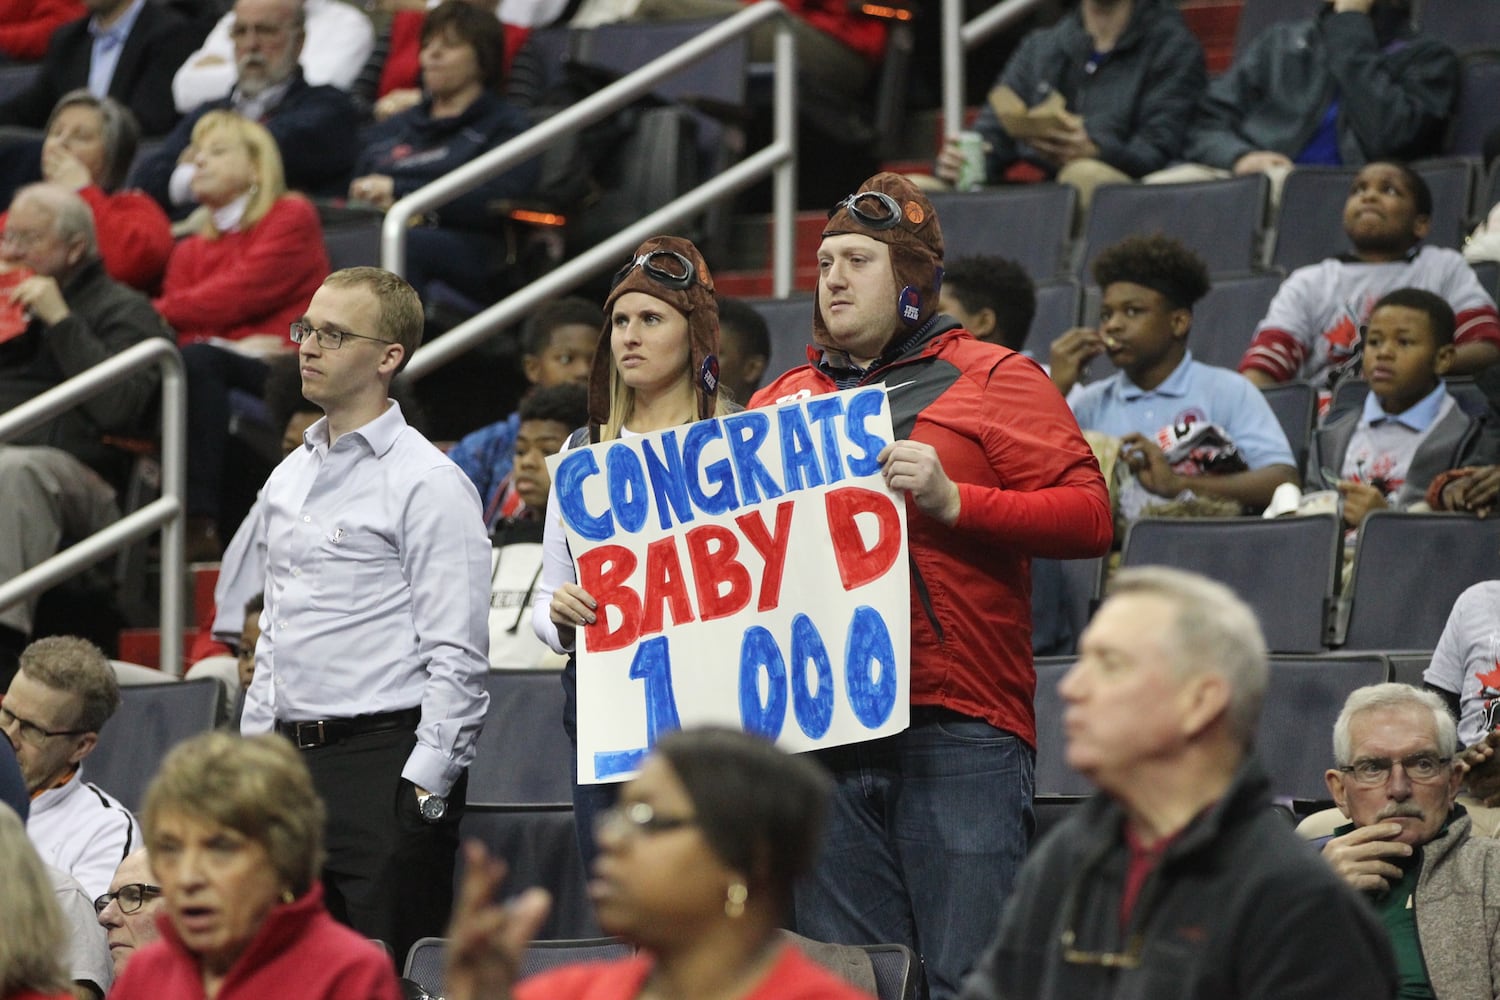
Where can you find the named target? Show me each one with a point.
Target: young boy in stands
(1311, 330)
(548, 415)
(744, 349)
(1223, 438)
(993, 297)
(557, 345)
(1410, 429)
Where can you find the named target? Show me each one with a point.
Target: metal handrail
(164, 513)
(778, 158)
(958, 38)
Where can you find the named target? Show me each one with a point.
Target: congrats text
(749, 571)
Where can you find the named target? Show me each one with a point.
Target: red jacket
(299, 952)
(246, 282)
(793, 977)
(1029, 486)
(27, 25)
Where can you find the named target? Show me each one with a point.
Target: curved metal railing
(958, 38)
(777, 159)
(164, 513)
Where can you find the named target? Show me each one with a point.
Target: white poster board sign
(750, 571)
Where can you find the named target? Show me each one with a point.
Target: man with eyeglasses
(314, 124)
(127, 912)
(928, 827)
(1409, 846)
(1179, 880)
(52, 713)
(374, 640)
(340, 38)
(60, 315)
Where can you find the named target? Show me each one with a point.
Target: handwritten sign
(750, 571)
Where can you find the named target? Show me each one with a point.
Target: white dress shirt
(377, 592)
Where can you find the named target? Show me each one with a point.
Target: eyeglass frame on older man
(140, 890)
(1375, 771)
(299, 331)
(28, 727)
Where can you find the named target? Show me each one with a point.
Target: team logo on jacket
(910, 304)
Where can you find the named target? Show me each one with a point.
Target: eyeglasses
(637, 818)
(19, 240)
(128, 897)
(240, 30)
(329, 340)
(1130, 958)
(667, 268)
(1377, 770)
(874, 209)
(31, 732)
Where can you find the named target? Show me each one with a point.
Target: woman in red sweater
(90, 142)
(232, 291)
(235, 833)
(257, 254)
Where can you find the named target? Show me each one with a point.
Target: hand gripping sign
(750, 571)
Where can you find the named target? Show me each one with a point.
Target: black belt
(328, 732)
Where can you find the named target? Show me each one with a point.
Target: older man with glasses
(52, 713)
(127, 912)
(1408, 844)
(254, 63)
(1179, 880)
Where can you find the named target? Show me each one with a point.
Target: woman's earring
(734, 901)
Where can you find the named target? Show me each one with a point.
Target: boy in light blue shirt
(1185, 428)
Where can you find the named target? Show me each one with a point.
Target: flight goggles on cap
(667, 268)
(872, 209)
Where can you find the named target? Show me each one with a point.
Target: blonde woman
(256, 255)
(32, 937)
(244, 275)
(656, 367)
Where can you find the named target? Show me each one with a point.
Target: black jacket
(158, 43)
(314, 128)
(1136, 103)
(1239, 907)
(414, 148)
(105, 318)
(1395, 91)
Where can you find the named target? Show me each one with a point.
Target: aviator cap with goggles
(671, 269)
(889, 209)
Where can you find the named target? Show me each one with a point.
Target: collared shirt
(108, 44)
(377, 592)
(262, 104)
(1193, 392)
(1417, 417)
(1383, 445)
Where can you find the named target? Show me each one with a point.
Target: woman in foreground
(235, 833)
(695, 868)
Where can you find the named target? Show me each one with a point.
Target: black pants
(212, 372)
(389, 873)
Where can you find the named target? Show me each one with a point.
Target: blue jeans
(926, 831)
